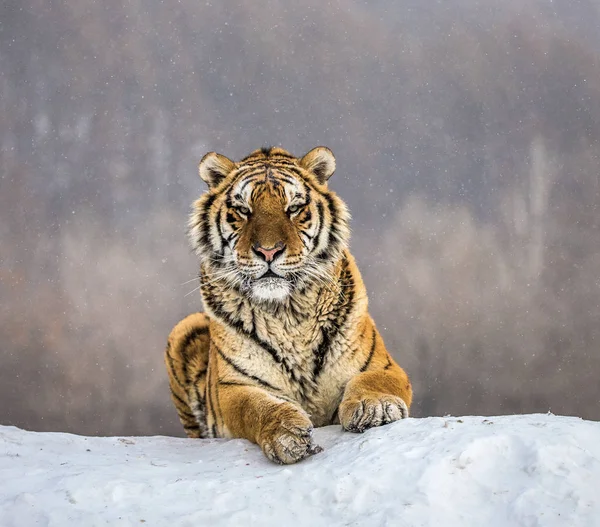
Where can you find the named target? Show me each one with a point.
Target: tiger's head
(268, 225)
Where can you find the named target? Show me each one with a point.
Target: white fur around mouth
(270, 289)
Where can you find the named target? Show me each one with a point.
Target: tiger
(286, 342)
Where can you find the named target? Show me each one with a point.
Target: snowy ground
(471, 471)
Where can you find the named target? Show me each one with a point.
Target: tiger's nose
(269, 254)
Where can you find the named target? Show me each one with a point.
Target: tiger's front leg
(281, 428)
(375, 398)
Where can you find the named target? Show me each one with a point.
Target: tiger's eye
(243, 210)
(293, 208)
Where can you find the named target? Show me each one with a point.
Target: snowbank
(471, 471)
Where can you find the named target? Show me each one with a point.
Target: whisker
(192, 291)
(325, 279)
(230, 274)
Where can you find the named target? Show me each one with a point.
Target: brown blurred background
(467, 134)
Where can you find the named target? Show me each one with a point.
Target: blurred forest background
(467, 135)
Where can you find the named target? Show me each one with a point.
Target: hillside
(540, 470)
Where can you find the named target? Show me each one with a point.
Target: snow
(530, 470)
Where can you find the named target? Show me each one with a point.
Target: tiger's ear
(213, 168)
(320, 162)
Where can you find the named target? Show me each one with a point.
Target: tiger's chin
(270, 289)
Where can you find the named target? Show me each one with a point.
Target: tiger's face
(269, 225)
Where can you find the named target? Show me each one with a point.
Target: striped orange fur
(286, 342)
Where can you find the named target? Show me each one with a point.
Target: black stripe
(192, 428)
(366, 364)
(249, 171)
(258, 190)
(220, 411)
(287, 179)
(220, 234)
(235, 383)
(232, 240)
(251, 161)
(308, 236)
(322, 350)
(204, 223)
(333, 238)
(295, 170)
(277, 161)
(247, 385)
(307, 194)
(230, 218)
(192, 335)
(302, 239)
(309, 183)
(201, 399)
(246, 174)
(199, 374)
(243, 372)
(246, 183)
(307, 216)
(209, 407)
(195, 382)
(238, 325)
(282, 161)
(336, 222)
(170, 360)
(321, 214)
(180, 400)
(262, 166)
(343, 306)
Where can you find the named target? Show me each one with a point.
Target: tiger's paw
(371, 411)
(289, 439)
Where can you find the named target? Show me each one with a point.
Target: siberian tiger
(286, 342)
